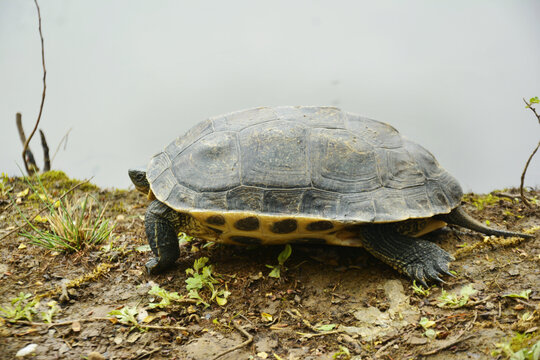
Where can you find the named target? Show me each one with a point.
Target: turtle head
(138, 178)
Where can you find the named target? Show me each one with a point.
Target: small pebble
(27, 350)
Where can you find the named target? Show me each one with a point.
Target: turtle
(304, 175)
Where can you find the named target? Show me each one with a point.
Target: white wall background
(129, 76)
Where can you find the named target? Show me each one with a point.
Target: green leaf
(221, 301)
(284, 255)
(326, 327)
(275, 273)
(523, 295)
(534, 100)
(194, 282)
(426, 323)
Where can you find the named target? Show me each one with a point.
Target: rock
(94, 355)
(414, 340)
(27, 350)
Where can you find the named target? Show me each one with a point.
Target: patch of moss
(481, 201)
(118, 207)
(58, 180)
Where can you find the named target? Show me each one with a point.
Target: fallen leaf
(266, 317)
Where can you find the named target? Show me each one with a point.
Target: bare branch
(46, 159)
(523, 197)
(529, 106)
(28, 169)
(522, 184)
(28, 155)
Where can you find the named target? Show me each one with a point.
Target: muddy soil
(329, 303)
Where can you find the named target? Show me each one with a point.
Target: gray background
(129, 76)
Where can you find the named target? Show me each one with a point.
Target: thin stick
(533, 110)
(42, 94)
(147, 353)
(62, 323)
(69, 322)
(43, 209)
(523, 197)
(247, 342)
(457, 340)
(46, 159)
(29, 156)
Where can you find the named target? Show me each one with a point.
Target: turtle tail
(458, 216)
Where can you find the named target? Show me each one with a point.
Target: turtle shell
(301, 163)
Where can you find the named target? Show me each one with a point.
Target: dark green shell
(316, 162)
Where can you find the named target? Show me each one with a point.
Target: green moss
(481, 201)
(58, 180)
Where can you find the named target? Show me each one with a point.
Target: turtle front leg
(161, 224)
(419, 259)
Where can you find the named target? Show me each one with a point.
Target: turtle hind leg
(161, 223)
(458, 216)
(419, 259)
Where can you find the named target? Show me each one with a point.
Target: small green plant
(481, 201)
(5, 189)
(51, 312)
(426, 324)
(184, 238)
(21, 308)
(202, 278)
(167, 297)
(523, 295)
(282, 257)
(454, 301)
(419, 289)
(520, 347)
(342, 354)
(127, 316)
(71, 227)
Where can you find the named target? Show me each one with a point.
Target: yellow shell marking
(252, 228)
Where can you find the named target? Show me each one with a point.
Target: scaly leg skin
(161, 230)
(419, 259)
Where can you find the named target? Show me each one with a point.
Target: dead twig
(25, 148)
(164, 327)
(459, 338)
(507, 195)
(46, 159)
(62, 323)
(523, 197)
(43, 209)
(146, 353)
(111, 319)
(449, 343)
(521, 185)
(247, 342)
(28, 154)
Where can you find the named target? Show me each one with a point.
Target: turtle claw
(430, 267)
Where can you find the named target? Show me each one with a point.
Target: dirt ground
(329, 303)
